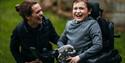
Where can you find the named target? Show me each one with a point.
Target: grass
(120, 45)
(9, 18)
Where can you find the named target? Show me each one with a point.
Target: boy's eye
(81, 8)
(75, 8)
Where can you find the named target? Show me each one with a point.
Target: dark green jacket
(24, 37)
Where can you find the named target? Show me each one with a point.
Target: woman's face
(80, 11)
(37, 14)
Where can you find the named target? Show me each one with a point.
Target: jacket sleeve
(63, 39)
(96, 38)
(14, 46)
(53, 34)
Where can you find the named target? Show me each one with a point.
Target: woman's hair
(87, 3)
(25, 8)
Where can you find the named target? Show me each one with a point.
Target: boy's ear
(90, 11)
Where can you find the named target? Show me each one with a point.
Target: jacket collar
(28, 28)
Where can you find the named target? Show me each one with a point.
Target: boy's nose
(78, 10)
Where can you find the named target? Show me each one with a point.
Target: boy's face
(37, 14)
(80, 11)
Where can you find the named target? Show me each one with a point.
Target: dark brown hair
(87, 3)
(25, 8)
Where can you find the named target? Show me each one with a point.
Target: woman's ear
(28, 17)
(17, 7)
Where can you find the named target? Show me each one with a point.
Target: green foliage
(58, 21)
(120, 45)
(8, 20)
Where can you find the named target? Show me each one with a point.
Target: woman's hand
(35, 61)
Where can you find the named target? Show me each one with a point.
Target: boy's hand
(74, 59)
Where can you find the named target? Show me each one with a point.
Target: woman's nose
(41, 13)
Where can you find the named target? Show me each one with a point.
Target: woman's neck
(32, 25)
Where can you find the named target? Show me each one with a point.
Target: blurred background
(58, 11)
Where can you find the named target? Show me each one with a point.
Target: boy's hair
(87, 3)
(80, 0)
(25, 8)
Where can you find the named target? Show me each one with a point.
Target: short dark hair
(78, 0)
(88, 5)
(25, 8)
